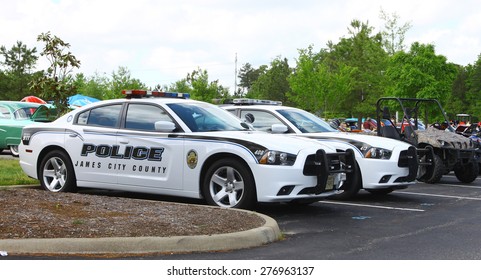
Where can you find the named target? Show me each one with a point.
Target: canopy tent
(80, 100)
(33, 99)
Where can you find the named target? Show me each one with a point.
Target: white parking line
(372, 206)
(461, 186)
(441, 195)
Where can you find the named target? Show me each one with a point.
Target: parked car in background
(14, 115)
(164, 143)
(385, 164)
(33, 99)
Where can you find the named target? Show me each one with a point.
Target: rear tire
(56, 172)
(14, 150)
(229, 183)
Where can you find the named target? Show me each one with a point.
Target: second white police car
(180, 147)
(385, 164)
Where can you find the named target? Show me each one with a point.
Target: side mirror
(164, 126)
(278, 128)
(250, 118)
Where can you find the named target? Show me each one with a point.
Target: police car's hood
(290, 144)
(352, 138)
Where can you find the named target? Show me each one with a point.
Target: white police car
(179, 147)
(385, 164)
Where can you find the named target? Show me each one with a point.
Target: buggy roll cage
(408, 112)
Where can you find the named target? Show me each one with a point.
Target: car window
(262, 120)
(25, 112)
(4, 113)
(206, 117)
(144, 116)
(22, 114)
(106, 116)
(44, 113)
(306, 122)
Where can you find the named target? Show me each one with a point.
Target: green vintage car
(14, 115)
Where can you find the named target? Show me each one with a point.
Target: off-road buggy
(423, 123)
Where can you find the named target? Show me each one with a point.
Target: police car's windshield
(202, 117)
(305, 121)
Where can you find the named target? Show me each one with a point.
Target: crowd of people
(370, 125)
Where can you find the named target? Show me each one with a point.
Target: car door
(92, 144)
(151, 159)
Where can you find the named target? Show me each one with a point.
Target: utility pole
(235, 75)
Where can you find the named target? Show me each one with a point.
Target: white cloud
(162, 41)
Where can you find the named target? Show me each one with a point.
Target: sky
(160, 41)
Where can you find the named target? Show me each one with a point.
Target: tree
(393, 34)
(472, 101)
(56, 83)
(122, 80)
(19, 62)
(204, 90)
(363, 53)
(273, 83)
(95, 86)
(420, 73)
(180, 86)
(318, 88)
(458, 100)
(248, 76)
(19, 59)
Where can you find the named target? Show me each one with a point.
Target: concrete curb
(269, 232)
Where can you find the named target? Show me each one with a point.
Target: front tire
(435, 172)
(467, 173)
(229, 183)
(56, 172)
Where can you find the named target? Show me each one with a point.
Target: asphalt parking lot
(422, 222)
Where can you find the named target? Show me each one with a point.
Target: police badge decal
(192, 159)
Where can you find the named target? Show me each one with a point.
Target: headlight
(444, 144)
(276, 158)
(374, 152)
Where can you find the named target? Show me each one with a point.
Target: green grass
(12, 174)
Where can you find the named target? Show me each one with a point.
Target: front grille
(408, 158)
(310, 167)
(337, 163)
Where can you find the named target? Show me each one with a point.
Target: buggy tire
(467, 173)
(436, 171)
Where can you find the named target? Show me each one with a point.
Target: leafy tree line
(343, 79)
